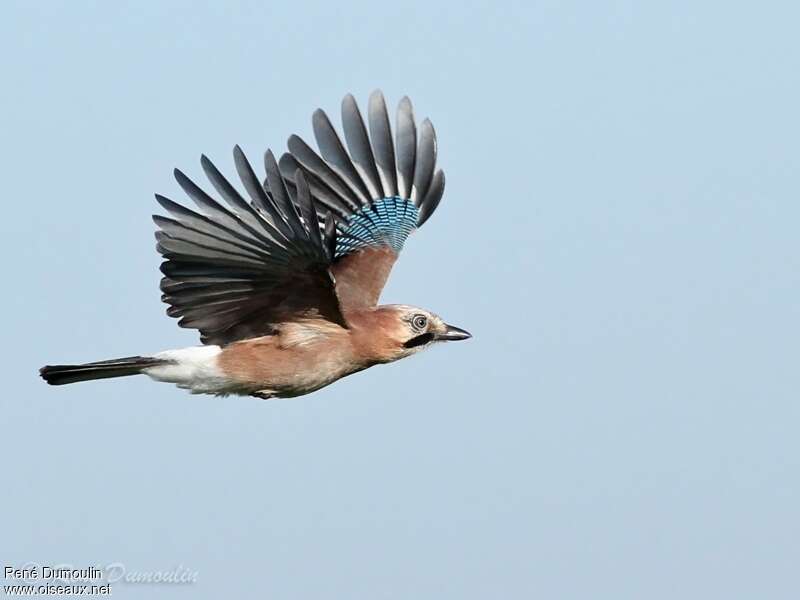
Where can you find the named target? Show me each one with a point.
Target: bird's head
(409, 329)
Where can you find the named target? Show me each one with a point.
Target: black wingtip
(269, 158)
(349, 99)
(182, 179)
(163, 201)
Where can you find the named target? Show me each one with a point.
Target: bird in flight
(283, 285)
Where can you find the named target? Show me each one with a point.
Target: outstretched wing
(235, 272)
(374, 193)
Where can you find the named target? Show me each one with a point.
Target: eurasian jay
(284, 287)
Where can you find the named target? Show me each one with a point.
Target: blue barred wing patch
(386, 222)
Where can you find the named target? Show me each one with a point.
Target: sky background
(619, 232)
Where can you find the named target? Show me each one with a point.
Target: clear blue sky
(619, 231)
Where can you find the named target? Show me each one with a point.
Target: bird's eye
(420, 322)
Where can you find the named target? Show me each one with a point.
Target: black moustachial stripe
(419, 340)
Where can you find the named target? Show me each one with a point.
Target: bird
(283, 283)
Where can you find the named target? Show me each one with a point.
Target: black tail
(119, 367)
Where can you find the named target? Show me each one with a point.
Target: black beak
(453, 334)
